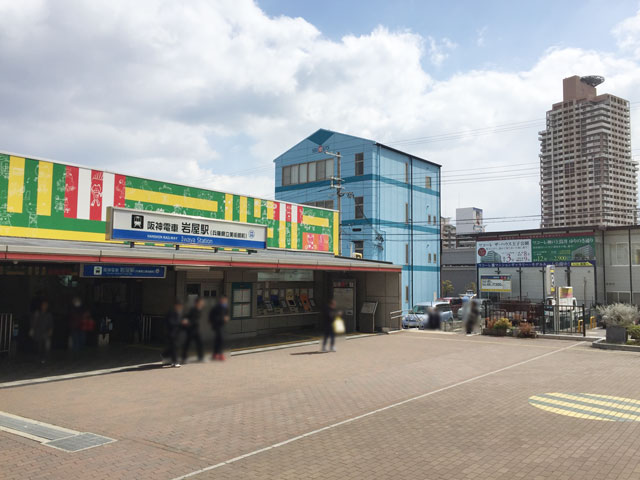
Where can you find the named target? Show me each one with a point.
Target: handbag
(338, 326)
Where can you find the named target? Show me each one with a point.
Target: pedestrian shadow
(314, 352)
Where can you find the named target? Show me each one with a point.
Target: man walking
(328, 317)
(191, 326)
(42, 329)
(218, 316)
(172, 326)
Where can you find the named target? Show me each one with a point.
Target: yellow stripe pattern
(138, 195)
(228, 206)
(243, 209)
(269, 210)
(257, 208)
(16, 184)
(45, 183)
(589, 406)
(294, 235)
(317, 221)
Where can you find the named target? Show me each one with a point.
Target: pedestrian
(172, 327)
(42, 329)
(191, 327)
(218, 316)
(434, 319)
(328, 316)
(472, 315)
(75, 324)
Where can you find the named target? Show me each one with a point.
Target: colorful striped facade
(43, 199)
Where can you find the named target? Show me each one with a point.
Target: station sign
(495, 283)
(100, 270)
(159, 227)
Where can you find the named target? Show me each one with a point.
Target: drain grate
(79, 442)
(51, 435)
(35, 429)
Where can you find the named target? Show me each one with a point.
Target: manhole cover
(79, 442)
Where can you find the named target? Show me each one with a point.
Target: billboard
(495, 283)
(43, 199)
(530, 252)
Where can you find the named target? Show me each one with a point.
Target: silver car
(418, 316)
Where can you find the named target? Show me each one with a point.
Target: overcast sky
(209, 92)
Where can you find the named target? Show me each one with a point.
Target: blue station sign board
(100, 270)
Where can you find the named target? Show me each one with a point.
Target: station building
(388, 200)
(56, 244)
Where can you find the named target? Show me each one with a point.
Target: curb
(602, 345)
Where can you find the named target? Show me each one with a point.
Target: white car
(418, 316)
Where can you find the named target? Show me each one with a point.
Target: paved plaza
(411, 405)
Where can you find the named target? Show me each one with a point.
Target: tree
(472, 287)
(447, 288)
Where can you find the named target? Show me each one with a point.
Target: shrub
(502, 324)
(634, 332)
(619, 314)
(526, 330)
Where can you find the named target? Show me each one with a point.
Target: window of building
(286, 175)
(620, 254)
(429, 258)
(428, 219)
(359, 207)
(358, 247)
(427, 182)
(321, 203)
(241, 300)
(294, 174)
(302, 174)
(359, 163)
(406, 173)
(406, 293)
(406, 213)
(435, 258)
(328, 168)
(311, 172)
(635, 253)
(406, 253)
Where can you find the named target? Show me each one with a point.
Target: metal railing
(6, 332)
(555, 319)
(146, 327)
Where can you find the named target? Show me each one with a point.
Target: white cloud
(627, 34)
(162, 88)
(439, 51)
(481, 34)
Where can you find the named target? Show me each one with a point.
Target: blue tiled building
(390, 207)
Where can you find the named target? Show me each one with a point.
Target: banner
(537, 252)
(99, 270)
(43, 199)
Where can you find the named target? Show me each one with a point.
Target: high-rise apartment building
(587, 175)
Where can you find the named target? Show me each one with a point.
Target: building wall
(43, 199)
(384, 229)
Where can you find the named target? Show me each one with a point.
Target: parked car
(454, 302)
(418, 316)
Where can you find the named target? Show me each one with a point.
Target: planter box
(495, 332)
(616, 334)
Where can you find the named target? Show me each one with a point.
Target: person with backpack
(191, 327)
(218, 317)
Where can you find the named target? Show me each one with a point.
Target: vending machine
(344, 293)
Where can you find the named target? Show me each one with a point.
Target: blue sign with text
(95, 270)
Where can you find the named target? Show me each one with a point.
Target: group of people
(187, 325)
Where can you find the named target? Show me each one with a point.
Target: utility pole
(336, 183)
